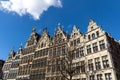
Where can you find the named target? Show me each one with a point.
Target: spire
(20, 48)
(74, 27)
(92, 25)
(45, 29)
(91, 22)
(11, 54)
(34, 29)
(58, 25)
(12, 51)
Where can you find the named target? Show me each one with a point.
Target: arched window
(93, 36)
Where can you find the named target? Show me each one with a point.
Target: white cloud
(33, 7)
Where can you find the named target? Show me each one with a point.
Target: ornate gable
(44, 40)
(60, 35)
(75, 33)
(76, 37)
(92, 25)
(33, 39)
(19, 52)
(11, 55)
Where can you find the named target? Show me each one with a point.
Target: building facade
(7, 65)
(27, 56)
(96, 51)
(1, 65)
(13, 71)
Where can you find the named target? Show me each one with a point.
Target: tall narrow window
(54, 52)
(97, 33)
(81, 51)
(89, 38)
(105, 61)
(77, 53)
(97, 63)
(92, 77)
(93, 36)
(75, 43)
(89, 49)
(78, 40)
(71, 43)
(63, 50)
(90, 65)
(108, 76)
(95, 47)
(82, 63)
(99, 77)
(102, 45)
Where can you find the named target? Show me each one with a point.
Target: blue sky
(15, 28)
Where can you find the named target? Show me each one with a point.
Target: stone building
(7, 65)
(13, 71)
(1, 65)
(96, 51)
(39, 65)
(27, 56)
(57, 48)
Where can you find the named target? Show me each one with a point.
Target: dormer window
(93, 36)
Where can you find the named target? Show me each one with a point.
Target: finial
(12, 51)
(34, 29)
(74, 26)
(91, 21)
(20, 46)
(45, 29)
(59, 25)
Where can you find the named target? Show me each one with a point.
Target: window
(99, 77)
(59, 50)
(63, 50)
(92, 77)
(97, 33)
(92, 28)
(97, 63)
(54, 51)
(108, 76)
(78, 40)
(81, 52)
(89, 38)
(77, 53)
(89, 49)
(90, 65)
(82, 63)
(83, 79)
(95, 47)
(102, 45)
(93, 36)
(71, 43)
(75, 43)
(105, 61)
